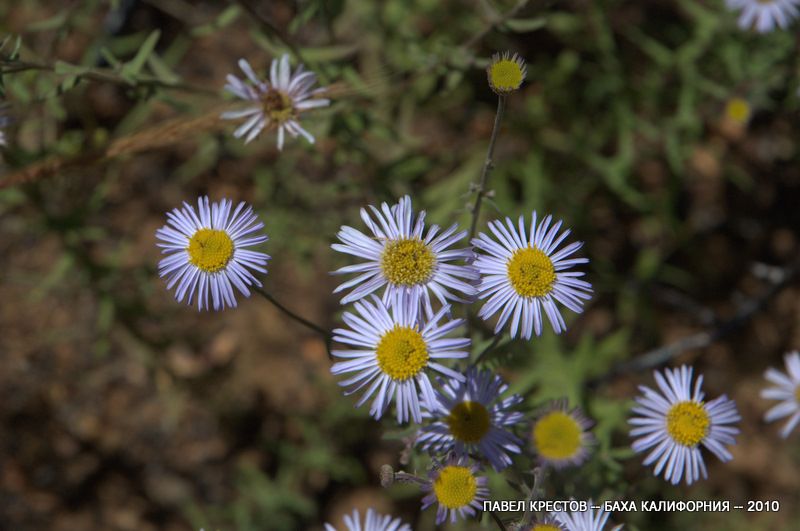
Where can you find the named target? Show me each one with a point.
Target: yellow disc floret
(407, 262)
(506, 73)
(402, 353)
(210, 250)
(797, 393)
(688, 423)
(546, 527)
(557, 436)
(277, 106)
(455, 487)
(737, 110)
(531, 272)
(468, 421)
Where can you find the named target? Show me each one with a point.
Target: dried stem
(156, 137)
(663, 354)
(532, 495)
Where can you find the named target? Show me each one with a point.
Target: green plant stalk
(488, 165)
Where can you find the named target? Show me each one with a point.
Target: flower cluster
(401, 329)
(401, 346)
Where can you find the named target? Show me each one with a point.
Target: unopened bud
(387, 476)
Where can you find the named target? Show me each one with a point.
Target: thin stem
(305, 322)
(104, 75)
(487, 166)
(405, 477)
(497, 520)
(489, 348)
(748, 310)
(274, 30)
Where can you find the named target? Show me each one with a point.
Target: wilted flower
(277, 102)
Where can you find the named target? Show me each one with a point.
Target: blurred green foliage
(616, 91)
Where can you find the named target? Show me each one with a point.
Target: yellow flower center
(505, 75)
(455, 487)
(210, 249)
(402, 353)
(737, 110)
(468, 421)
(407, 262)
(688, 423)
(557, 436)
(797, 393)
(546, 527)
(531, 272)
(277, 106)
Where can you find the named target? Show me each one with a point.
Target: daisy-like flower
(471, 416)
(676, 422)
(277, 102)
(787, 390)
(208, 253)
(587, 520)
(395, 346)
(401, 257)
(737, 110)
(506, 73)
(561, 437)
(524, 275)
(457, 488)
(546, 523)
(764, 15)
(372, 522)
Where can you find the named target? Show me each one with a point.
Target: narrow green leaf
(51, 23)
(109, 57)
(228, 16)
(132, 68)
(526, 25)
(161, 70)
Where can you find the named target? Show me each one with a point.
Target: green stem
(495, 341)
(487, 166)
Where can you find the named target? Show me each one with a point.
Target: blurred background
(663, 135)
